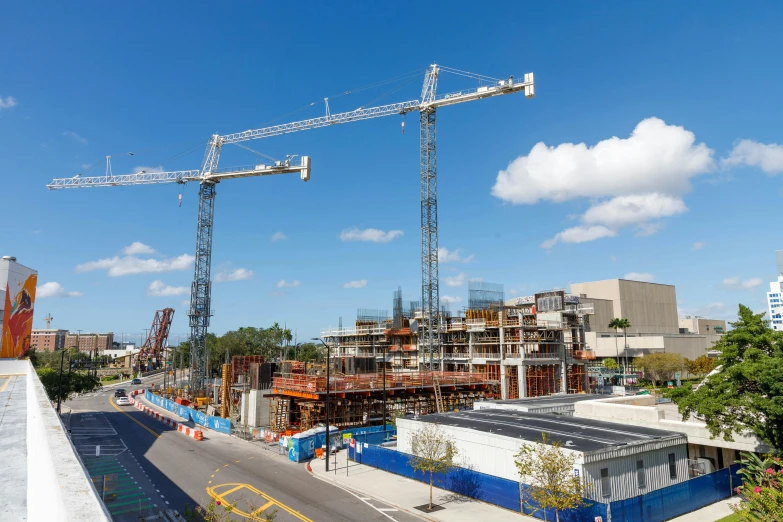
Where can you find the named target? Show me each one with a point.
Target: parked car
(119, 392)
(136, 381)
(123, 401)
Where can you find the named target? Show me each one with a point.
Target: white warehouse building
(617, 462)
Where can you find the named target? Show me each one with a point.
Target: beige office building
(695, 324)
(651, 308)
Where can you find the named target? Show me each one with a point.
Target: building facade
(90, 342)
(775, 296)
(48, 339)
(694, 324)
(17, 303)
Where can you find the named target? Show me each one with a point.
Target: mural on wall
(18, 313)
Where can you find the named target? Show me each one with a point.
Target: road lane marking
(262, 508)
(211, 491)
(111, 401)
(5, 384)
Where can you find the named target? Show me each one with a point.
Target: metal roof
(578, 434)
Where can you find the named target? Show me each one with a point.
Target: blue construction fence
(676, 500)
(302, 446)
(214, 423)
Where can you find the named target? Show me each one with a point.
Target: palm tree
(625, 324)
(616, 323)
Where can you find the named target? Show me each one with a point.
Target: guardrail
(315, 384)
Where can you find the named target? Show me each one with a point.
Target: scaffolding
(483, 296)
(577, 377)
(512, 382)
(542, 380)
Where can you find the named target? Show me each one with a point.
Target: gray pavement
(184, 470)
(13, 450)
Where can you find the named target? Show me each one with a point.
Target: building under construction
(526, 347)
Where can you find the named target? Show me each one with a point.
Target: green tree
(747, 393)
(72, 382)
(701, 365)
(548, 470)
(610, 364)
(660, 367)
(433, 452)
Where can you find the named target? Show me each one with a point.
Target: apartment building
(48, 339)
(90, 342)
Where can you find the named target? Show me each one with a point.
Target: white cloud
(238, 274)
(656, 158)
(159, 288)
(640, 276)
(361, 283)
(453, 256)
(54, 289)
(735, 283)
(146, 170)
(457, 280)
(698, 245)
(476, 279)
(636, 180)
(448, 299)
(120, 266)
(278, 236)
(287, 284)
(768, 157)
(369, 234)
(579, 235)
(629, 210)
(71, 134)
(185, 302)
(8, 102)
(137, 248)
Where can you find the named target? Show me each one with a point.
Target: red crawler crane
(156, 341)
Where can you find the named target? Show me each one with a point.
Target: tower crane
(157, 340)
(208, 177)
(426, 106)
(48, 320)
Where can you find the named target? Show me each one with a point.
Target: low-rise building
(705, 452)
(48, 339)
(616, 462)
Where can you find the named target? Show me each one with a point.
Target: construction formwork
(542, 379)
(299, 401)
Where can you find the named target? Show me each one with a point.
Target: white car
(123, 401)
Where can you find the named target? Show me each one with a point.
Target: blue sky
(683, 201)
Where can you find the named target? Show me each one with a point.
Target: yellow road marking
(111, 401)
(225, 465)
(212, 476)
(210, 482)
(5, 384)
(270, 501)
(236, 461)
(217, 470)
(232, 490)
(263, 508)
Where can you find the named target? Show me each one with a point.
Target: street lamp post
(60, 385)
(327, 399)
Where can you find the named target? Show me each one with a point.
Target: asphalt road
(157, 468)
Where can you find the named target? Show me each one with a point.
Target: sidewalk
(405, 494)
(712, 512)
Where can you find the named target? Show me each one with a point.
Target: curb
(185, 430)
(355, 491)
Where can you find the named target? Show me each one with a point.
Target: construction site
(492, 349)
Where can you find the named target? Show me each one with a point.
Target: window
(606, 487)
(641, 479)
(672, 466)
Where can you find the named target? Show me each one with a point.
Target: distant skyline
(651, 151)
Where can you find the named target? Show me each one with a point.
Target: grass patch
(731, 518)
